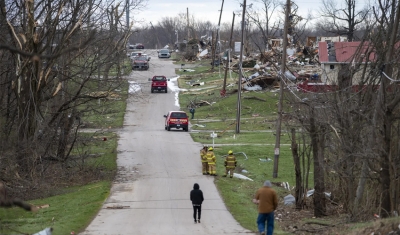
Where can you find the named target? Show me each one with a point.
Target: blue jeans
(266, 217)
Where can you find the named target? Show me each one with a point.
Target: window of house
(332, 66)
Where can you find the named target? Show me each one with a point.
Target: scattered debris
(43, 206)
(240, 176)
(265, 160)
(289, 200)
(203, 53)
(46, 231)
(187, 70)
(311, 192)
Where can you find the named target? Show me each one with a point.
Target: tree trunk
(318, 142)
(296, 159)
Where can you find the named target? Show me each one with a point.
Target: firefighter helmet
(230, 152)
(210, 149)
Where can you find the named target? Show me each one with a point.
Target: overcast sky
(208, 9)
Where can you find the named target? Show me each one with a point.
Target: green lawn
(68, 212)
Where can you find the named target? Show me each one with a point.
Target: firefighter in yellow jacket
(211, 161)
(203, 157)
(230, 164)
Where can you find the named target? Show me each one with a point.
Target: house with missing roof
(335, 56)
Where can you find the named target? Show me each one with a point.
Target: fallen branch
(6, 202)
(254, 98)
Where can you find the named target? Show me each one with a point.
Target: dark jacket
(196, 195)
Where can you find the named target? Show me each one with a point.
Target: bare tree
(50, 52)
(265, 27)
(356, 126)
(343, 20)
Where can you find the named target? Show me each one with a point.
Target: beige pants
(205, 167)
(230, 171)
(211, 169)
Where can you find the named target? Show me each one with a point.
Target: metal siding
(323, 52)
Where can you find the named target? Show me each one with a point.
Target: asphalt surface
(157, 170)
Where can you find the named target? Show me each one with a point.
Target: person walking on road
(230, 164)
(211, 161)
(203, 157)
(267, 201)
(196, 196)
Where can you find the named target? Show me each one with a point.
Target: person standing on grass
(196, 196)
(267, 201)
(230, 164)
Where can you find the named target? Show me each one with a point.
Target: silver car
(164, 53)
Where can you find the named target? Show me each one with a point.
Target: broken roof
(345, 52)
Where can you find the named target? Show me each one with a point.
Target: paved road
(157, 170)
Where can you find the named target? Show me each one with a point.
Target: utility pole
(212, 51)
(240, 73)
(127, 14)
(228, 57)
(188, 29)
(282, 76)
(217, 50)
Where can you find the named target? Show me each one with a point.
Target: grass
(68, 212)
(103, 146)
(254, 138)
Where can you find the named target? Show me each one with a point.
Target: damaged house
(336, 56)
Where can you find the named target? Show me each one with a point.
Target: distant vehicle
(164, 53)
(176, 119)
(136, 46)
(135, 53)
(139, 46)
(159, 83)
(140, 62)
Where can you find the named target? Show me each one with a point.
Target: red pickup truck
(159, 83)
(176, 119)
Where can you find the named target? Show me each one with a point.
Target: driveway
(157, 170)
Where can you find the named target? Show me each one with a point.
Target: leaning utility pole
(282, 76)
(228, 58)
(217, 45)
(240, 73)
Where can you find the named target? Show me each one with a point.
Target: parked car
(159, 83)
(139, 46)
(140, 62)
(176, 119)
(164, 53)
